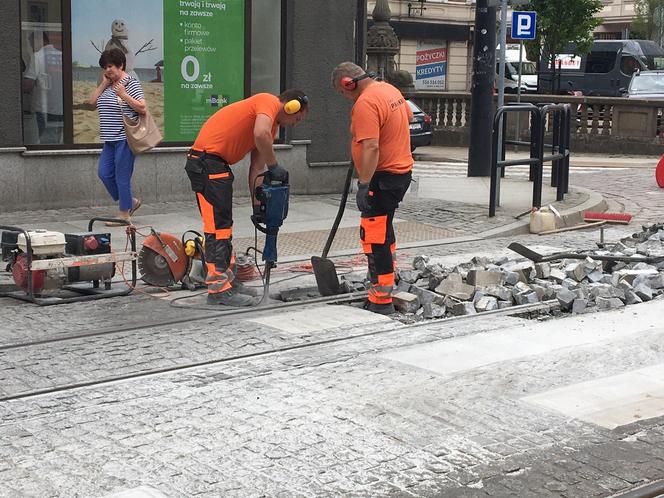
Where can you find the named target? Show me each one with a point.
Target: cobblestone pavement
(96, 358)
(330, 420)
(635, 191)
(337, 421)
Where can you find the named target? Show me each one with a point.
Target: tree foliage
(560, 22)
(647, 24)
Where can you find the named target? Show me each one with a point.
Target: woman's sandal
(135, 207)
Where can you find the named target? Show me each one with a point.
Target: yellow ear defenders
(192, 245)
(294, 106)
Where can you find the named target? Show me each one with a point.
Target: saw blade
(154, 268)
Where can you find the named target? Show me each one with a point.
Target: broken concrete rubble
(431, 310)
(543, 270)
(464, 308)
(453, 286)
(486, 303)
(430, 290)
(406, 302)
(499, 291)
(426, 296)
(482, 278)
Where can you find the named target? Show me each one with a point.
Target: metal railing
(558, 117)
(593, 116)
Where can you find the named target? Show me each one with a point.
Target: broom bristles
(610, 217)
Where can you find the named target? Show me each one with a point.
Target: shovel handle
(340, 213)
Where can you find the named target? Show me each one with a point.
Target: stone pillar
(382, 46)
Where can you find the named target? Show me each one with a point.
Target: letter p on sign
(523, 25)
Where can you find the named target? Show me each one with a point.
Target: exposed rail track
(339, 299)
(513, 311)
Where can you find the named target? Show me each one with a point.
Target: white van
(528, 70)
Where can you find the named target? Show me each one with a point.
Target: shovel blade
(326, 276)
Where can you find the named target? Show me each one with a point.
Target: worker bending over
(226, 137)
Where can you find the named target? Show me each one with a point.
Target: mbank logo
(216, 100)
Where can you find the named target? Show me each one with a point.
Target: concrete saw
(154, 268)
(165, 260)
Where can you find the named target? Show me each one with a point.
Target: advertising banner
(204, 54)
(186, 75)
(568, 61)
(430, 65)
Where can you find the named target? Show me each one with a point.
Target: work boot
(382, 309)
(243, 289)
(231, 297)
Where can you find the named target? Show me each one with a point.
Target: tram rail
(338, 299)
(512, 311)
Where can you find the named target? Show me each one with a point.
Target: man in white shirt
(43, 78)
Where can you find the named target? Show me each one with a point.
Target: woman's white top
(111, 107)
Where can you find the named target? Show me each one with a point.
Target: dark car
(420, 127)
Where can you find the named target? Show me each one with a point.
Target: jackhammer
(272, 195)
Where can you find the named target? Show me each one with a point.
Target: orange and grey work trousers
(386, 190)
(215, 203)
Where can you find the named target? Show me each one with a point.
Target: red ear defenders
(294, 106)
(351, 83)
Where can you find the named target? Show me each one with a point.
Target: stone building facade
(447, 24)
(49, 138)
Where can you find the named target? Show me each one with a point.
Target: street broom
(623, 218)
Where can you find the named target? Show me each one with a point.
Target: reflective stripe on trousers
(386, 190)
(216, 208)
(377, 234)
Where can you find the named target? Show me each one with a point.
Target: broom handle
(340, 213)
(575, 227)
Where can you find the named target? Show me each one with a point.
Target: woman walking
(117, 94)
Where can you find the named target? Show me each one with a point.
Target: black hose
(340, 213)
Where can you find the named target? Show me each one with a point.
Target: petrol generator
(52, 267)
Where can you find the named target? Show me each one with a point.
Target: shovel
(324, 270)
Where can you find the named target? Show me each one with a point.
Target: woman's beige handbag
(142, 133)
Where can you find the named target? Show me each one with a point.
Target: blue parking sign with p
(523, 25)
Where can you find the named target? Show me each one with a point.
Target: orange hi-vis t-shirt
(381, 112)
(229, 132)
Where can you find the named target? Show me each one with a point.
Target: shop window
(41, 63)
(190, 58)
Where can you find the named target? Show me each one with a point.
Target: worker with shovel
(249, 125)
(381, 151)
